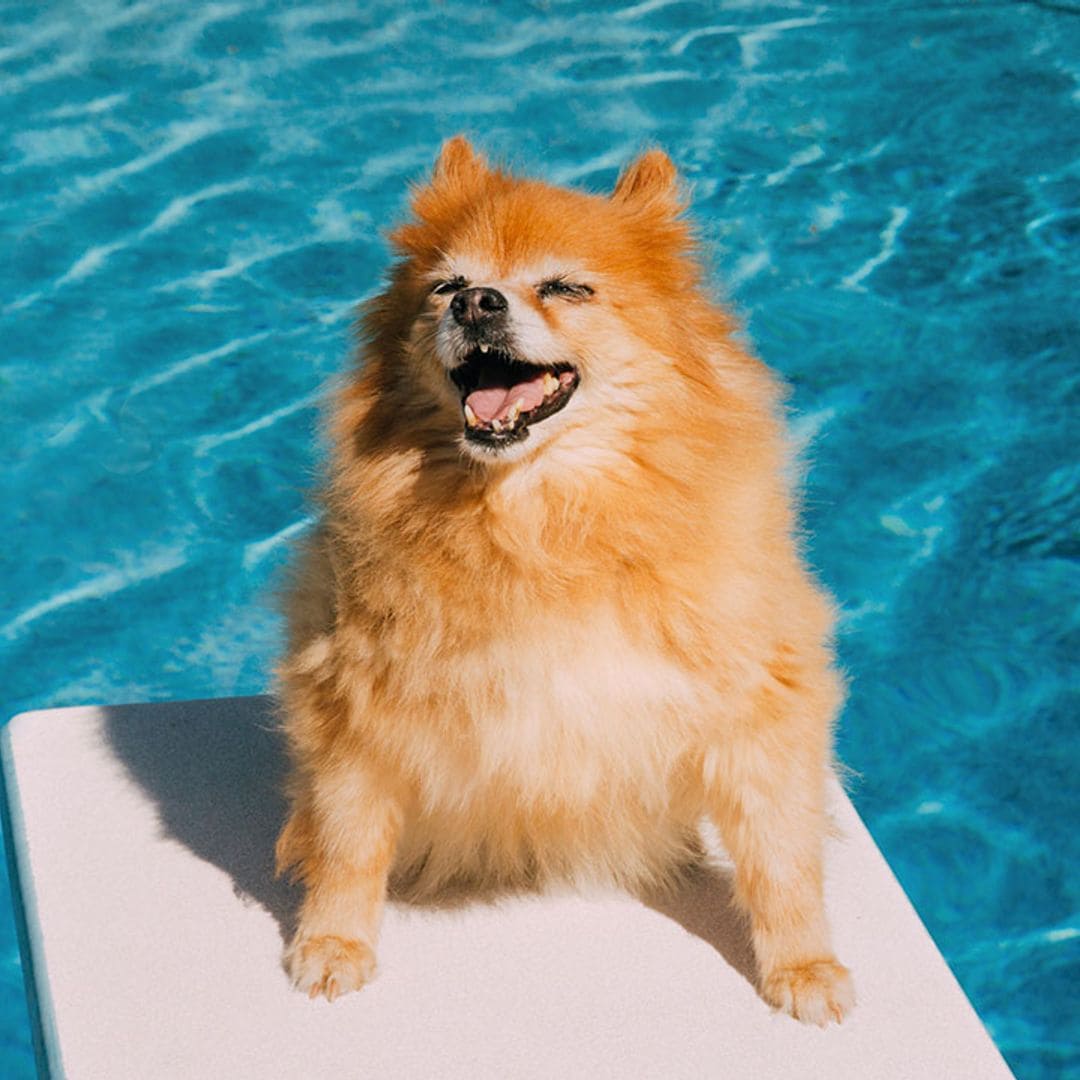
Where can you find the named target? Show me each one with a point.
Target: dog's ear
(458, 164)
(650, 181)
(460, 173)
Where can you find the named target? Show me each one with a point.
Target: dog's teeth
(484, 348)
(515, 411)
(470, 416)
(551, 384)
(496, 426)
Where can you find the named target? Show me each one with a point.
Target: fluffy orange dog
(556, 613)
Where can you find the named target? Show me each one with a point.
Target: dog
(556, 615)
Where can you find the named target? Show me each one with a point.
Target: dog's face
(531, 312)
(513, 356)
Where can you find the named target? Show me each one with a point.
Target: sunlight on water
(193, 198)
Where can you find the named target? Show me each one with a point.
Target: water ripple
(190, 363)
(256, 551)
(899, 214)
(95, 258)
(751, 39)
(131, 571)
(205, 443)
(90, 108)
(181, 135)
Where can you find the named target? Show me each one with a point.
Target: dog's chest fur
(567, 705)
(555, 742)
(539, 687)
(546, 755)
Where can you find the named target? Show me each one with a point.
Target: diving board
(140, 839)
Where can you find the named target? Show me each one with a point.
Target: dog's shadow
(215, 772)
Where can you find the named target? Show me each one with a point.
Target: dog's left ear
(651, 181)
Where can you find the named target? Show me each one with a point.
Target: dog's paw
(329, 965)
(815, 993)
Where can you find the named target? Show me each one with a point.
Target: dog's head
(531, 312)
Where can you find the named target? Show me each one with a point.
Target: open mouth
(502, 397)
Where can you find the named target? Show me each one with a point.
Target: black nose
(476, 307)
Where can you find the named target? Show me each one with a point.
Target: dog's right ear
(458, 164)
(459, 174)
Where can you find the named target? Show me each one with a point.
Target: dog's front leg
(766, 794)
(341, 836)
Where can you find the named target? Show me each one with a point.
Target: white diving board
(141, 842)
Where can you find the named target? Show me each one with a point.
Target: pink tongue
(494, 402)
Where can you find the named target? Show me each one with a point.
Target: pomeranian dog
(555, 615)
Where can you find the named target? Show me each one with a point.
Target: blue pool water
(191, 200)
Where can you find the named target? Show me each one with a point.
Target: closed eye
(451, 285)
(564, 289)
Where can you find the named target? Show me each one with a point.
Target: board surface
(143, 841)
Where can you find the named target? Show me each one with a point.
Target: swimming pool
(192, 197)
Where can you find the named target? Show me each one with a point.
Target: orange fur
(550, 664)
